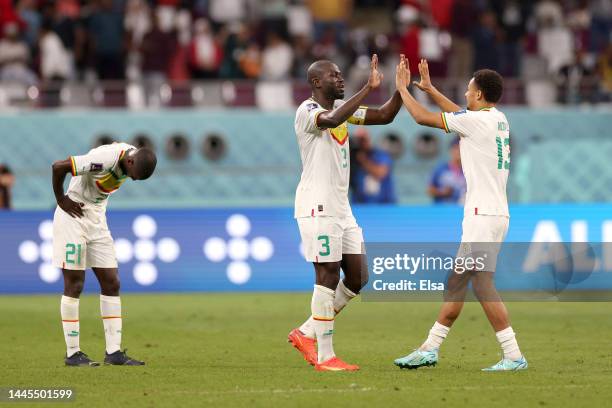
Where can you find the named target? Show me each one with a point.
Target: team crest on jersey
(461, 112)
(340, 134)
(95, 167)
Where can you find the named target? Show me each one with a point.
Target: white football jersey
(97, 174)
(485, 158)
(324, 184)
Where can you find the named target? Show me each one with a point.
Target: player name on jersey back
(485, 158)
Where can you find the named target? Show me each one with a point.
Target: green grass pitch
(231, 350)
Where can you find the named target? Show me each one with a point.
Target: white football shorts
(325, 239)
(81, 243)
(482, 238)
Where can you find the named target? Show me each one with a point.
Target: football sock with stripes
(437, 334)
(110, 308)
(322, 308)
(69, 308)
(509, 345)
(342, 296)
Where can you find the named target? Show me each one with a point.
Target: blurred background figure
(105, 31)
(55, 61)
(206, 54)
(14, 57)
(371, 171)
(447, 183)
(6, 183)
(277, 58)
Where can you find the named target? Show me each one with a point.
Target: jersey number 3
(502, 164)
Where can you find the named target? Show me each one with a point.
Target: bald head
(144, 163)
(317, 69)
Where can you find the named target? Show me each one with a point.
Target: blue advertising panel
(259, 249)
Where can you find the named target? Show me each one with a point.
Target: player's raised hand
(425, 83)
(71, 207)
(402, 74)
(376, 76)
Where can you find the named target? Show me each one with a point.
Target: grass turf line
(231, 350)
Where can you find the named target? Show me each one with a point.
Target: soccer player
(485, 158)
(81, 239)
(330, 235)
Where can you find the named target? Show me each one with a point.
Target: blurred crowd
(45, 40)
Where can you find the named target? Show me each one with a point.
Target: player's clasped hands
(71, 207)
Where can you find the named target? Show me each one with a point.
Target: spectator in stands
(461, 59)
(14, 57)
(331, 14)
(512, 16)
(276, 59)
(227, 11)
(601, 24)
(486, 45)
(604, 67)
(157, 49)
(31, 16)
(68, 26)
(55, 61)
(555, 41)
(137, 21)
(371, 172)
(6, 183)
(573, 79)
(236, 41)
(273, 15)
(447, 183)
(205, 53)
(303, 57)
(106, 40)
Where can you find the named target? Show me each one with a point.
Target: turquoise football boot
(418, 358)
(509, 365)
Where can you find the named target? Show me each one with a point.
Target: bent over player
(81, 239)
(330, 235)
(485, 158)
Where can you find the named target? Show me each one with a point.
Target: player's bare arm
(334, 118)
(425, 85)
(60, 169)
(420, 114)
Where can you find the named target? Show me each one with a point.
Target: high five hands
(402, 75)
(376, 76)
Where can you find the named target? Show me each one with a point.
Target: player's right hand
(425, 84)
(376, 76)
(71, 207)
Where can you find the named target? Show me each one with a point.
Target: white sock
(342, 296)
(437, 334)
(110, 308)
(509, 345)
(322, 308)
(70, 321)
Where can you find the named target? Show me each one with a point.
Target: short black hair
(145, 162)
(490, 83)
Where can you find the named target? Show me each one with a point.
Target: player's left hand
(376, 76)
(402, 74)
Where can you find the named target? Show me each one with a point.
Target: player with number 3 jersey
(331, 238)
